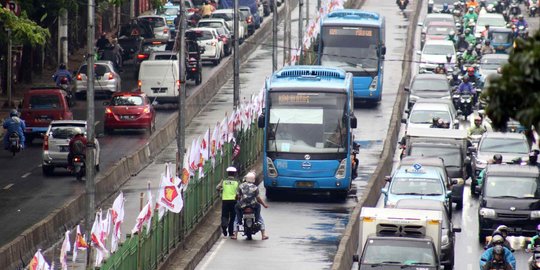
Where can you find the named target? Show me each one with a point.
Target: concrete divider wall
(51, 228)
(350, 240)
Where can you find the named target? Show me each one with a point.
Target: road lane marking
(8, 186)
(469, 249)
(213, 254)
(26, 174)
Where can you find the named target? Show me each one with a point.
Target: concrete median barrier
(51, 228)
(350, 240)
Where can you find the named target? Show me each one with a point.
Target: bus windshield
(353, 49)
(307, 122)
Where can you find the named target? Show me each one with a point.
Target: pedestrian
(228, 187)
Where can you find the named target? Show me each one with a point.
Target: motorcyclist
(14, 124)
(455, 81)
(497, 258)
(498, 239)
(470, 15)
(207, 9)
(248, 196)
(472, 4)
(62, 72)
(503, 231)
(487, 48)
(533, 158)
(77, 146)
(473, 75)
(470, 56)
(485, 33)
(118, 51)
(405, 3)
(435, 122)
(445, 9)
(466, 87)
(469, 37)
(452, 37)
(462, 44)
(535, 240)
(477, 128)
(521, 22)
(102, 42)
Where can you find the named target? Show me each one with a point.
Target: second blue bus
(354, 40)
(307, 121)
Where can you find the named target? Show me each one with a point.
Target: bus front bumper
(310, 184)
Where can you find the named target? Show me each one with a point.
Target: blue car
(416, 182)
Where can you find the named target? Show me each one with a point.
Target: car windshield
(158, 47)
(492, 21)
(430, 19)
(509, 186)
(451, 156)
(205, 35)
(99, 70)
(492, 63)
(171, 11)
(40, 102)
(438, 49)
(382, 251)
(501, 37)
(210, 24)
(416, 186)
(127, 101)
(504, 145)
(426, 117)
(172, 56)
(430, 85)
(225, 16)
(65, 132)
(439, 30)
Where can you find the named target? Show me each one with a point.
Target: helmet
(497, 158)
(449, 56)
(62, 66)
(467, 31)
(538, 228)
(77, 131)
(13, 112)
(498, 250)
(487, 42)
(470, 71)
(486, 26)
(497, 239)
(465, 78)
(440, 65)
(445, 5)
(250, 177)
(471, 9)
(520, 16)
(231, 169)
(435, 120)
(455, 75)
(470, 48)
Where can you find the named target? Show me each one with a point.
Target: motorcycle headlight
(535, 214)
(487, 213)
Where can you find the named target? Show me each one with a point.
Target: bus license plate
(304, 184)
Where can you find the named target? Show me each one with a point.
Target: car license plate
(126, 117)
(304, 184)
(64, 148)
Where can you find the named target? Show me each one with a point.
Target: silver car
(158, 24)
(56, 144)
(107, 79)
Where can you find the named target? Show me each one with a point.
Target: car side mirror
(354, 121)
(384, 191)
(261, 121)
(388, 178)
(383, 50)
(448, 194)
(106, 103)
(471, 149)
(406, 89)
(456, 229)
(456, 124)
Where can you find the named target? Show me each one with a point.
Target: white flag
(79, 243)
(96, 236)
(66, 246)
(38, 262)
(117, 216)
(170, 196)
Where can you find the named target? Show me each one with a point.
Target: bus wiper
(414, 263)
(385, 263)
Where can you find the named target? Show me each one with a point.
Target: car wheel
(459, 204)
(271, 194)
(47, 170)
(198, 80)
(216, 62)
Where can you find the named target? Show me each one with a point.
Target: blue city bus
(307, 120)
(353, 40)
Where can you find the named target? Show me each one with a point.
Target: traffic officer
(228, 187)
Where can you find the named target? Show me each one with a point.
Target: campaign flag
(205, 149)
(117, 216)
(38, 262)
(96, 237)
(66, 246)
(194, 157)
(79, 243)
(222, 133)
(185, 170)
(170, 196)
(213, 144)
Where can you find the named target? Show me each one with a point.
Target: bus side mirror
(354, 121)
(383, 50)
(260, 121)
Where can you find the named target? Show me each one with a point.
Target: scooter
(193, 70)
(249, 223)
(464, 104)
(354, 160)
(79, 166)
(14, 143)
(532, 11)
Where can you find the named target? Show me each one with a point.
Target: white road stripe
(469, 249)
(469, 266)
(8, 186)
(214, 253)
(26, 174)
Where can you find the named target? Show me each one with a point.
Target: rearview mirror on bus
(260, 121)
(354, 122)
(383, 50)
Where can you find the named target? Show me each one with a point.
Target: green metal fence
(147, 250)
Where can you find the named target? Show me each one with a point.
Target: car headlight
(487, 213)
(445, 240)
(445, 97)
(271, 169)
(535, 214)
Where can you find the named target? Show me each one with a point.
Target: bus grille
(310, 72)
(400, 230)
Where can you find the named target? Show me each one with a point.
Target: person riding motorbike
(485, 34)
(206, 10)
(445, 9)
(472, 4)
(473, 75)
(487, 48)
(462, 44)
(62, 72)
(405, 3)
(14, 124)
(466, 87)
(435, 122)
(452, 37)
(533, 158)
(102, 42)
(497, 258)
(521, 22)
(77, 146)
(477, 129)
(535, 240)
(455, 81)
(470, 56)
(497, 159)
(498, 239)
(469, 37)
(503, 231)
(470, 15)
(248, 196)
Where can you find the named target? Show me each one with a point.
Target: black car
(131, 36)
(448, 229)
(428, 86)
(509, 195)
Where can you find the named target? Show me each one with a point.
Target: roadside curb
(50, 229)
(349, 242)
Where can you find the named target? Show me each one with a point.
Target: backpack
(78, 147)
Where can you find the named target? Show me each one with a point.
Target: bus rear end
(307, 121)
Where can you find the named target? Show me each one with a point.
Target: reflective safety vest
(229, 189)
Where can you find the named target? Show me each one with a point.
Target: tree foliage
(516, 94)
(24, 30)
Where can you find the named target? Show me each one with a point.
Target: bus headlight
(270, 168)
(341, 171)
(373, 85)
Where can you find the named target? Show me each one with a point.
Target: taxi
(416, 182)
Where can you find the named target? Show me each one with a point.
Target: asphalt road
(305, 230)
(26, 196)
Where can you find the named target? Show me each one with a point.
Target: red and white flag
(38, 262)
(66, 246)
(105, 226)
(194, 157)
(117, 216)
(145, 216)
(223, 133)
(170, 196)
(185, 170)
(205, 149)
(96, 237)
(214, 144)
(79, 243)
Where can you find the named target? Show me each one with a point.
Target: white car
(56, 144)
(492, 19)
(228, 16)
(434, 53)
(422, 114)
(435, 17)
(158, 24)
(208, 38)
(107, 80)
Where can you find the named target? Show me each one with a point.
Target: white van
(159, 80)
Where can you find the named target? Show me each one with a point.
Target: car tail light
(249, 19)
(76, 159)
(64, 80)
(139, 84)
(146, 110)
(193, 69)
(142, 56)
(111, 76)
(108, 111)
(165, 30)
(79, 77)
(46, 142)
(178, 84)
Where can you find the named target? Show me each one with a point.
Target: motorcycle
(354, 160)
(464, 103)
(535, 259)
(14, 143)
(79, 166)
(65, 85)
(249, 223)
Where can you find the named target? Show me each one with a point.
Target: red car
(129, 110)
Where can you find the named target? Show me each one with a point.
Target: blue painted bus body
(354, 40)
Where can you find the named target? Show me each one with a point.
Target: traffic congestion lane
(305, 231)
(26, 196)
